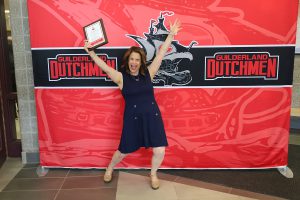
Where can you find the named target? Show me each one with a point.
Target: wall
(296, 85)
(295, 120)
(24, 79)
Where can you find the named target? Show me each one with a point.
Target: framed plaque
(95, 34)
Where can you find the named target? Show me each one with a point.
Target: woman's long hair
(142, 53)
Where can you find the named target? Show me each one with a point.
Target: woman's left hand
(175, 28)
(87, 45)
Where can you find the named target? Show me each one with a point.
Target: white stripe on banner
(177, 87)
(204, 46)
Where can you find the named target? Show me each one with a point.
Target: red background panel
(58, 23)
(206, 128)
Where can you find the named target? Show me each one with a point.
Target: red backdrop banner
(229, 108)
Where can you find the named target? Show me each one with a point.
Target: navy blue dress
(142, 122)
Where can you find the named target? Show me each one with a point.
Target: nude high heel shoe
(107, 176)
(154, 182)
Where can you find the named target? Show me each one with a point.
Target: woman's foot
(154, 182)
(108, 175)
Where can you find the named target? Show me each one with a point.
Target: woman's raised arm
(154, 66)
(113, 74)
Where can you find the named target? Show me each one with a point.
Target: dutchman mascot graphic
(170, 72)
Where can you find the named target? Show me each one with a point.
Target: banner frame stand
(286, 172)
(228, 102)
(42, 171)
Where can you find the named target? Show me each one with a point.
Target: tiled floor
(65, 184)
(9, 169)
(87, 184)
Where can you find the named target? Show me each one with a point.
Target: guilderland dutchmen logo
(78, 66)
(242, 65)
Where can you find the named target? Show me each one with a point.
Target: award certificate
(95, 34)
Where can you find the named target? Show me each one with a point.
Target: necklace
(136, 78)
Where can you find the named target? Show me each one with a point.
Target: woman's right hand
(87, 45)
(175, 28)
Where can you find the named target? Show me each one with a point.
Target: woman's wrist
(92, 53)
(172, 33)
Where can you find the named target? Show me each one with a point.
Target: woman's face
(134, 63)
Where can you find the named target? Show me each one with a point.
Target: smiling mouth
(133, 67)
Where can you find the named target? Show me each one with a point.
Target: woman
(142, 123)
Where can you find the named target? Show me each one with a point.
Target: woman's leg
(117, 157)
(157, 158)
